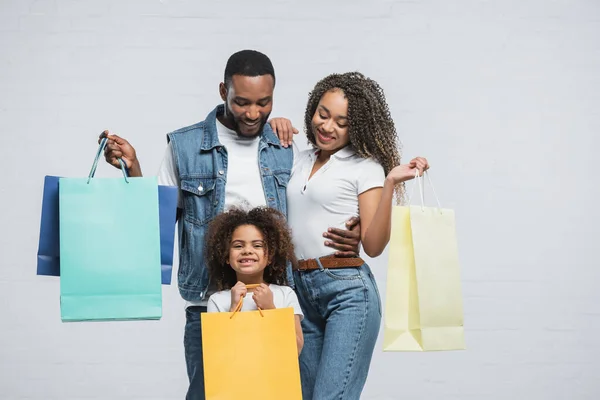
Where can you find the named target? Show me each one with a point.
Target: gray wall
(501, 96)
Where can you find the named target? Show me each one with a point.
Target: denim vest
(202, 165)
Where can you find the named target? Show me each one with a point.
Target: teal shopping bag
(109, 248)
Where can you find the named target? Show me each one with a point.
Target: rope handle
(420, 181)
(238, 307)
(95, 164)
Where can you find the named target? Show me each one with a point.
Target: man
(233, 157)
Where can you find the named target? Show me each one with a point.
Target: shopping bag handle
(98, 154)
(238, 307)
(419, 180)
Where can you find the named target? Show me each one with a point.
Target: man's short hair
(248, 63)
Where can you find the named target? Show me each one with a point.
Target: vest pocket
(282, 178)
(199, 199)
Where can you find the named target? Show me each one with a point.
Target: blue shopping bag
(109, 247)
(48, 257)
(48, 260)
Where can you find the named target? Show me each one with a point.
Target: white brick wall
(502, 96)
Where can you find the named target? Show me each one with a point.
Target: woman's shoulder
(368, 165)
(302, 158)
(367, 161)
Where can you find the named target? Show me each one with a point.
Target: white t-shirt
(329, 198)
(283, 297)
(244, 182)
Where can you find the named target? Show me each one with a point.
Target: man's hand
(263, 297)
(117, 147)
(237, 292)
(284, 130)
(345, 241)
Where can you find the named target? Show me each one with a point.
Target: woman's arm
(375, 210)
(299, 335)
(375, 207)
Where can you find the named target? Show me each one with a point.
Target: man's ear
(223, 91)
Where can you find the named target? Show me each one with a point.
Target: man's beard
(228, 116)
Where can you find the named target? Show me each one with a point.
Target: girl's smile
(247, 252)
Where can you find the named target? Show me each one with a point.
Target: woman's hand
(405, 172)
(284, 130)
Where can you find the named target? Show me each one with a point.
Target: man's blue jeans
(192, 342)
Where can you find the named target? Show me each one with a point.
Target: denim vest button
(221, 172)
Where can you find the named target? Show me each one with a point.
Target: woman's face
(330, 121)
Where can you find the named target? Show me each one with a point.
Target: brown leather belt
(329, 262)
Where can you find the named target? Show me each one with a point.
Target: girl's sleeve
(212, 305)
(292, 301)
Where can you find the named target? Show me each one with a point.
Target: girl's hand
(237, 292)
(263, 297)
(405, 172)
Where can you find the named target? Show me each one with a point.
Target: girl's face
(248, 251)
(330, 121)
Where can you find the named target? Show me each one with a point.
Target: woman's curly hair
(370, 126)
(279, 248)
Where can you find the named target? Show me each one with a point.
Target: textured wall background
(501, 96)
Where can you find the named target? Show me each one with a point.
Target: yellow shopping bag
(423, 307)
(251, 354)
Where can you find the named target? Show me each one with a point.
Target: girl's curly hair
(370, 126)
(279, 248)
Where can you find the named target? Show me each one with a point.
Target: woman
(354, 169)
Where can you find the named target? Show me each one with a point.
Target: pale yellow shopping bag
(251, 354)
(423, 305)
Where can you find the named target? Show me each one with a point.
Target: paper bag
(423, 306)
(109, 248)
(251, 354)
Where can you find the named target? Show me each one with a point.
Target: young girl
(354, 169)
(247, 257)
